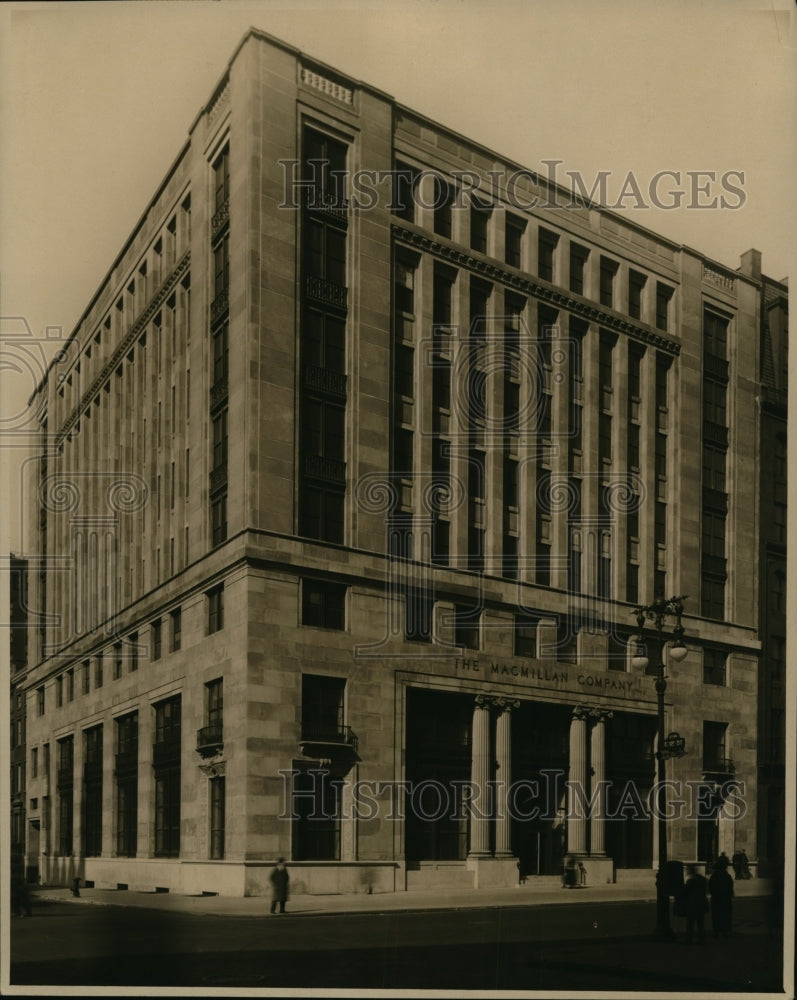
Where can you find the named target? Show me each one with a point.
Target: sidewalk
(437, 899)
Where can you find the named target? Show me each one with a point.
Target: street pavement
(531, 937)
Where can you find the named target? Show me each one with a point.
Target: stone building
(352, 476)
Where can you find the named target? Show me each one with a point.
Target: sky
(97, 98)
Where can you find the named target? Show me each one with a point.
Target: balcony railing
(220, 218)
(166, 752)
(330, 737)
(325, 292)
(718, 765)
(210, 739)
(328, 470)
(325, 380)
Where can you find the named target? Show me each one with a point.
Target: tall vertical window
(217, 817)
(126, 774)
(177, 629)
(215, 598)
(546, 250)
(157, 639)
(578, 263)
(714, 506)
(92, 792)
(322, 403)
(405, 179)
(166, 765)
(636, 285)
(479, 222)
(221, 178)
(65, 786)
(513, 241)
(443, 202)
(663, 297)
(608, 271)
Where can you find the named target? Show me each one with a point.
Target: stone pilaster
(597, 822)
(479, 775)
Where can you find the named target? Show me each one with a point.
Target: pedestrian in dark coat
(720, 885)
(279, 886)
(695, 904)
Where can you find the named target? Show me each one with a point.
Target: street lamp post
(670, 746)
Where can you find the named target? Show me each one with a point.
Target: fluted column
(577, 784)
(503, 775)
(597, 822)
(480, 776)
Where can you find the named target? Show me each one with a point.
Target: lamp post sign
(673, 745)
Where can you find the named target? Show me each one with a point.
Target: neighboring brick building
(368, 493)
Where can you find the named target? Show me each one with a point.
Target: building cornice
(534, 287)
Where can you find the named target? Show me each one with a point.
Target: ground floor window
(316, 810)
(126, 816)
(65, 820)
(217, 810)
(167, 813)
(92, 822)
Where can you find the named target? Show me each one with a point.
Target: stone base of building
(599, 870)
(225, 878)
(493, 873)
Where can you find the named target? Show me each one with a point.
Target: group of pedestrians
(692, 901)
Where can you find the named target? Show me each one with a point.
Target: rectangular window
(546, 254)
(715, 335)
(40, 703)
(167, 813)
(218, 519)
(323, 604)
(117, 661)
(714, 746)
(323, 708)
(133, 651)
(513, 241)
(466, 627)
(404, 287)
(636, 285)
(92, 792)
(663, 296)
(525, 635)
(157, 629)
(86, 677)
(443, 201)
(479, 220)
(316, 803)
(59, 691)
(70, 684)
(714, 667)
(578, 262)
(405, 179)
(221, 178)
(34, 762)
(98, 671)
(177, 629)
(215, 598)
(608, 270)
